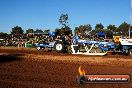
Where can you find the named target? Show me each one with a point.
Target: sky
(44, 14)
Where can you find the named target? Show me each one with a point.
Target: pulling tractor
(56, 45)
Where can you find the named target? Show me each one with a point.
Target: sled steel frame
(88, 50)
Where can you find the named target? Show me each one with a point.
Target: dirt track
(22, 68)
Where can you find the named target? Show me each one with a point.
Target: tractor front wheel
(38, 48)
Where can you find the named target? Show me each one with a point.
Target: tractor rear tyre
(59, 46)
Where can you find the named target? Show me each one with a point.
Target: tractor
(59, 45)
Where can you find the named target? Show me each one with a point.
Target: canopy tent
(51, 33)
(101, 34)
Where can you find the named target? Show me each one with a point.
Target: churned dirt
(29, 68)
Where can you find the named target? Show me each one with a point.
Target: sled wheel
(130, 52)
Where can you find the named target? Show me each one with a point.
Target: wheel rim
(58, 47)
(38, 48)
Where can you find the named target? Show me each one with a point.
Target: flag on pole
(131, 4)
(130, 20)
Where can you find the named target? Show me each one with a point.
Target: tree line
(110, 30)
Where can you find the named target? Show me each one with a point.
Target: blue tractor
(56, 45)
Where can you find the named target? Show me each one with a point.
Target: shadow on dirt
(10, 57)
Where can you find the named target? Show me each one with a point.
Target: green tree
(93, 32)
(66, 31)
(76, 30)
(17, 30)
(112, 28)
(63, 20)
(29, 31)
(123, 29)
(99, 27)
(108, 33)
(46, 31)
(3, 35)
(83, 29)
(58, 31)
(38, 31)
